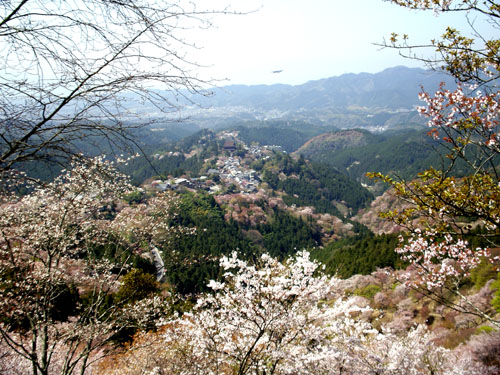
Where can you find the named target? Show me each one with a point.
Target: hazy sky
(311, 39)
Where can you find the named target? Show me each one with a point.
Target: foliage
(496, 300)
(140, 168)
(190, 261)
(486, 349)
(445, 204)
(465, 121)
(274, 318)
(135, 197)
(316, 185)
(335, 142)
(467, 58)
(136, 285)
(285, 234)
(54, 293)
(359, 255)
(484, 272)
(440, 260)
(403, 153)
(148, 223)
(171, 159)
(368, 291)
(203, 137)
(117, 251)
(194, 232)
(289, 139)
(484, 329)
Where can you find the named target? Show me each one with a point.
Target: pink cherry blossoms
(479, 114)
(282, 319)
(439, 261)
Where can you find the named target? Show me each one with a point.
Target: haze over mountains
(392, 89)
(383, 99)
(289, 116)
(375, 102)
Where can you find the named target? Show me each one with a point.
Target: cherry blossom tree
(56, 306)
(277, 318)
(453, 205)
(150, 222)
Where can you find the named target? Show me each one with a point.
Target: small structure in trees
(229, 145)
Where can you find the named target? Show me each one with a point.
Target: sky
(310, 40)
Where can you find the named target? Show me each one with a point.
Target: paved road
(158, 263)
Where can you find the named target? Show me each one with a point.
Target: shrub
(368, 291)
(484, 329)
(136, 285)
(495, 302)
(484, 272)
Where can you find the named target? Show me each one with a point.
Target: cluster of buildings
(232, 172)
(228, 169)
(179, 183)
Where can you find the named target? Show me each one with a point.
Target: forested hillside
(359, 255)
(403, 153)
(290, 135)
(153, 224)
(314, 184)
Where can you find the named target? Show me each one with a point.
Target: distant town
(230, 170)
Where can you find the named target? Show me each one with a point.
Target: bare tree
(68, 66)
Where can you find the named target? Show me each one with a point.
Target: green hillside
(290, 135)
(354, 153)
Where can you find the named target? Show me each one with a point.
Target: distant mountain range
(374, 101)
(390, 90)
(379, 101)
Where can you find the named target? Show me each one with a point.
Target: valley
(279, 187)
(249, 188)
(286, 191)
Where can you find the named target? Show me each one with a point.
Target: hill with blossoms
(346, 226)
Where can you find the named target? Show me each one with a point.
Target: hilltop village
(227, 170)
(250, 181)
(157, 218)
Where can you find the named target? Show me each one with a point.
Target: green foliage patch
(136, 285)
(286, 234)
(192, 260)
(359, 255)
(314, 184)
(495, 302)
(368, 291)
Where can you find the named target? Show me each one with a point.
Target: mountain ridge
(400, 84)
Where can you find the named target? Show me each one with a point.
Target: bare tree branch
(71, 69)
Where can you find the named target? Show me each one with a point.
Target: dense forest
(403, 153)
(289, 135)
(314, 184)
(171, 158)
(192, 260)
(286, 234)
(359, 255)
